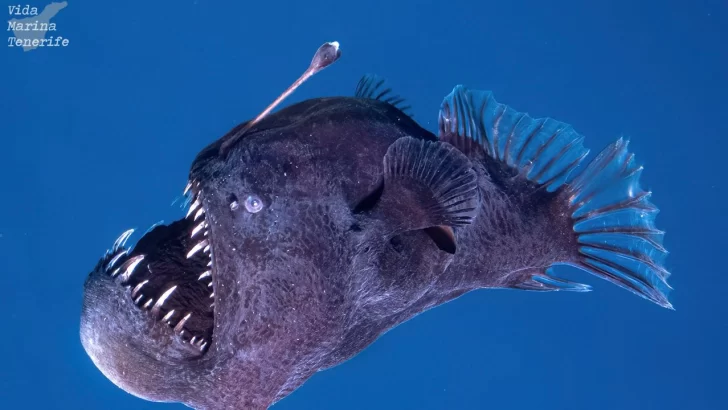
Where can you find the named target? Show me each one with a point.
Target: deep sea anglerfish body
(314, 230)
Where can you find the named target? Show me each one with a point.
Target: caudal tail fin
(612, 217)
(615, 223)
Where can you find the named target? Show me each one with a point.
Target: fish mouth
(169, 274)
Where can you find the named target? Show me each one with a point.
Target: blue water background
(98, 137)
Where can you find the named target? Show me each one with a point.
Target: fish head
(244, 271)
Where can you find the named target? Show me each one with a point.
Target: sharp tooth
(187, 188)
(192, 208)
(131, 265)
(181, 323)
(138, 287)
(209, 263)
(197, 229)
(205, 274)
(136, 302)
(212, 305)
(162, 299)
(209, 285)
(192, 341)
(202, 347)
(121, 240)
(212, 295)
(120, 268)
(199, 213)
(168, 315)
(116, 259)
(196, 248)
(207, 249)
(149, 302)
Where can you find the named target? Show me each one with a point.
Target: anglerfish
(313, 230)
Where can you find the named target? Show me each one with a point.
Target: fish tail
(614, 221)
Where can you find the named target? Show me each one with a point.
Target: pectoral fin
(427, 185)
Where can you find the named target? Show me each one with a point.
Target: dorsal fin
(375, 87)
(542, 150)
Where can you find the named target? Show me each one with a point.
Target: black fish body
(333, 220)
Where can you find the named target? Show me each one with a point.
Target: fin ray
(374, 87)
(543, 150)
(615, 223)
(546, 282)
(438, 175)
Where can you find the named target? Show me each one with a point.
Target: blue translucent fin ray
(543, 150)
(374, 87)
(547, 281)
(615, 223)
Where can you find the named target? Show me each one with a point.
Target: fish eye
(253, 204)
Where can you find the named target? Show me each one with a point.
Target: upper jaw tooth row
(194, 207)
(196, 202)
(203, 245)
(127, 269)
(201, 228)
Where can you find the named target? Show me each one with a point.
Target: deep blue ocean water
(98, 136)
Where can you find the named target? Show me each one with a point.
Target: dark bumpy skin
(288, 302)
(296, 285)
(344, 247)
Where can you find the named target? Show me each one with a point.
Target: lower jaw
(169, 275)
